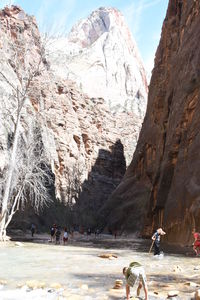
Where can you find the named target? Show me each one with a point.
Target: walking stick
(151, 246)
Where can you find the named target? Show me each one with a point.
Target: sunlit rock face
(82, 139)
(17, 31)
(161, 186)
(102, 57)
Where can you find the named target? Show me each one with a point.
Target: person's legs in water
(196, 248)
(156, 248)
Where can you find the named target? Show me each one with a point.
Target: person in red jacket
(196, 244)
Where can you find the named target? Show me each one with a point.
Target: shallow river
(76, 272)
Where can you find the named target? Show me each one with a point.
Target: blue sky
(144, 18)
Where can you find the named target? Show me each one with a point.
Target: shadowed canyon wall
(105, 176)
(162, 184)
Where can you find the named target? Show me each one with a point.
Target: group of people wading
(135, 272)
(55, 233)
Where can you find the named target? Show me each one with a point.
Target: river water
(76, 271)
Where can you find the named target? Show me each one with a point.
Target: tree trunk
(8, 217)
(3, 236)
(5, 201)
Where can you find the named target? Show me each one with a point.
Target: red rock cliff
(162, 184)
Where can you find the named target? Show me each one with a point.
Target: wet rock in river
(155, 292)
(35, 284)
(108, 255)
(56, 286)
(118, 284)
(112, 258)
(172, 294)
(192, 284)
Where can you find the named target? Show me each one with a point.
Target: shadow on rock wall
(106, 174)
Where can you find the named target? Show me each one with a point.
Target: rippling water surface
(83, 275)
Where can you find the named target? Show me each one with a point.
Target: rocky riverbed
(38, 269)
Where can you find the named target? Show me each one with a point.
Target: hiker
(196, 244)
(89, 232)
(135, 274)
(33, 227)
(65, 236)
(58, 233)
(52, 232)
(156, 239)
(97, 232)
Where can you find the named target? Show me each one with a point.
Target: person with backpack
(156, 239)
(196, 244)
(135, 273)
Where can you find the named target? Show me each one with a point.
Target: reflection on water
(78, 263)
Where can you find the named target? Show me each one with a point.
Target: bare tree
(26, 176)
(31, 175)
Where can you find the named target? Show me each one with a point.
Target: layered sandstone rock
(87, 146)
(102, 57)
(161, 186)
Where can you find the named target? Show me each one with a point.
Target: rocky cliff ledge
(162, 185)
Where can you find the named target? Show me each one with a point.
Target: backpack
(134, 264)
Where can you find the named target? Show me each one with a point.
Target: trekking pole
(151, 246)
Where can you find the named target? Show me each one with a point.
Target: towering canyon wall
(162, 184)
(85, 143)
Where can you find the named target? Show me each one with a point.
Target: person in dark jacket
(156, 239)
(33, 228)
